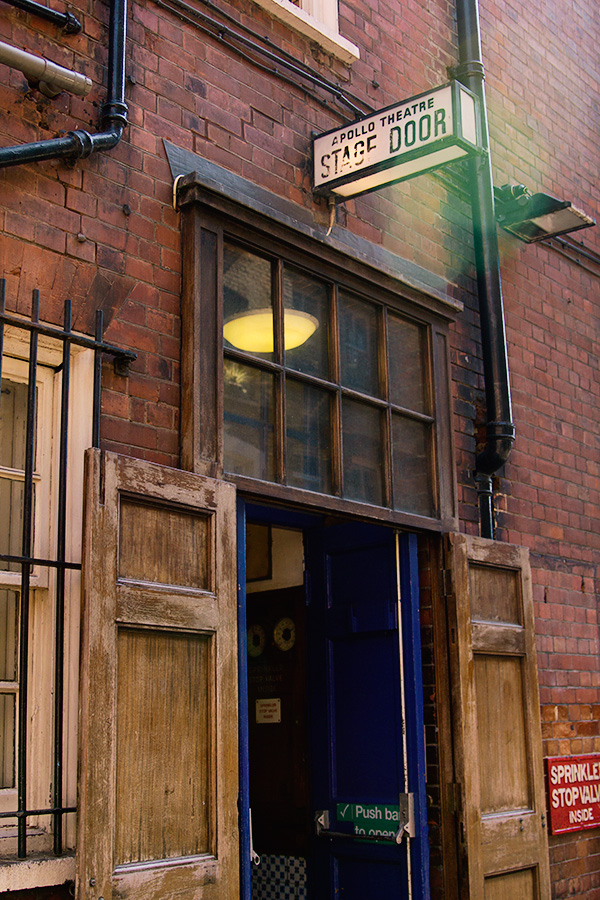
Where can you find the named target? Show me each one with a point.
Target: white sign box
(399, 142)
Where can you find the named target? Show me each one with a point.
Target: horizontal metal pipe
(80, 144)
(233, 36)
(66, 20)
(74, 145)
(51, 77)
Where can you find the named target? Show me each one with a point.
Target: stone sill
(33, 872)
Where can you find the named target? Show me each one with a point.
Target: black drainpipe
(80, 144)
(500, 430)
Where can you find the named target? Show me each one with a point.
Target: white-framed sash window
(316, 19)
(40, 867)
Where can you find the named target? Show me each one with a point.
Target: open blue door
(366, 715)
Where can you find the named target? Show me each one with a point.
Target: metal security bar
(26, 560)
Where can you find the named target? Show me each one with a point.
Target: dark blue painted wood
(284, 518)
(413, 687)
(244, 765)
(356, 710)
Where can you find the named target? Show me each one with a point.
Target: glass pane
(308, 432)
(358, 345)
(13, 413)
(412, 466)
(407, 376)
(247, 306)
(11, 522)
(306, 323)
(8, 635)
(7, 740)
(249, 421)
(363, 453)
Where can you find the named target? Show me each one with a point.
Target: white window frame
(43, 869)
(317, 20)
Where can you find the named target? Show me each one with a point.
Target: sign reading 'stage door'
(398, 142)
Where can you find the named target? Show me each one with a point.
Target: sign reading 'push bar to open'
(399, 142)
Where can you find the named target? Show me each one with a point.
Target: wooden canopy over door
(158, 727)
(497, 734)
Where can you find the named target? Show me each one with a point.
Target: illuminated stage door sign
(573, 784)
(399, 142)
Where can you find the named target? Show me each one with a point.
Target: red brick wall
(104, 233)
(543, 76)
(438, 868)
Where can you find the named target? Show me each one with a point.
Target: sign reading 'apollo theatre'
(573, 784)
(398, 142)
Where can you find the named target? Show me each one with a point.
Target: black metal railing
(26, 560)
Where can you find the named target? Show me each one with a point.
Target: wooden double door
(158, 812)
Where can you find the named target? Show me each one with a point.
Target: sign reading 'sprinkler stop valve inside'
(573, 784)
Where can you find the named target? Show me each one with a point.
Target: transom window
(325, 389)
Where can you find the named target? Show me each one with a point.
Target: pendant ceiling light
(252, 330)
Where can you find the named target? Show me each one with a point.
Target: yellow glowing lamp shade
(252, 330)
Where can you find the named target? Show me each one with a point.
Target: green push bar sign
(370, 819)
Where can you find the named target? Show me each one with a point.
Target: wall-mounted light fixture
(534, 217)
(252, 330)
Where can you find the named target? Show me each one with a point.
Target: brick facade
(103, 231)
(542, 112)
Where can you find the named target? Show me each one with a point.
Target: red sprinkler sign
(573, 784)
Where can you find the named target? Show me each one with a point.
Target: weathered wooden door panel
(501, 726)
(158, 795)
(497, 728)
(521, 885)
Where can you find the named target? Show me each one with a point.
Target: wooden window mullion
(279, 344)
(386, 427)
(432, 401)
(336, 402)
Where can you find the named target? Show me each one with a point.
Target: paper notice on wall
(268, 710)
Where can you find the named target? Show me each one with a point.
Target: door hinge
(447, 586)
(453, 797)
